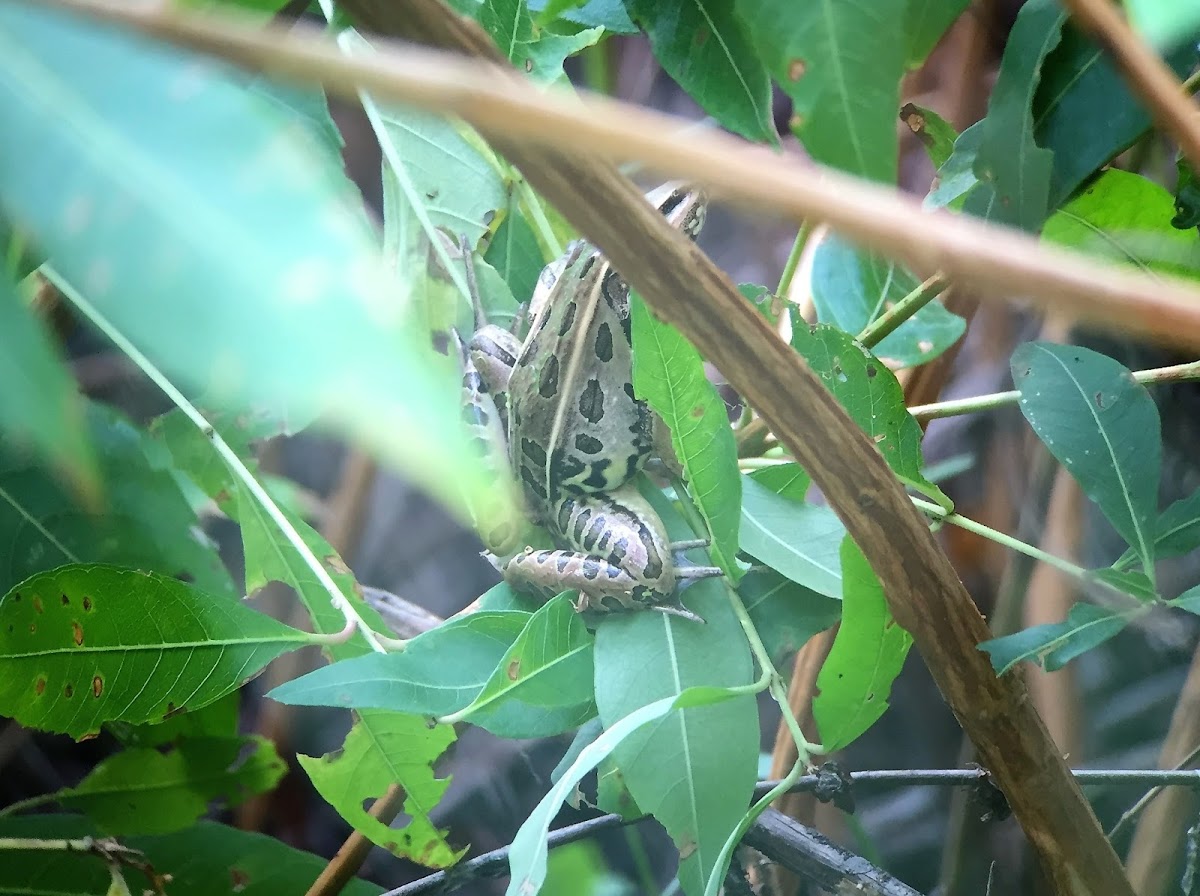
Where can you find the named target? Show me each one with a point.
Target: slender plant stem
(886, 324)
(239, 469)
(1178, 373)
(793, 260)
(1002, 538)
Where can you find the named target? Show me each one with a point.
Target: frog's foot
(688, 544)
(602, 585)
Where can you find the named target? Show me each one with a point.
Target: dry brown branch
(1148, 76)
(998, 262)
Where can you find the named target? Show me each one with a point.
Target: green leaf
(800, 541)
(515, 255)
(1084, 111)
(1013, 171)
(209, 859)
(1103, 427)
(528, 852)
(384, 749)
(668, 373)
(1187, 195)
(543, 58)
(224, 216)
(1126, 218)
(217, 720)
(537, 52)
(508, 23)
(702, 45)
(956, 175)
(1165, 23)
(145, 521)
(867, 655)
(548, 668)
(785, 614)
(934, 132)
(1189, 600)
(85, 644)
(873, 397)
(696, 785)
(143, 791)
(841, 64)
(1132, 583)
(438, 673)
(926, 22)
(1176, 532)
(852, 289)
(608, 14)
(1054, 645)
(788, 480)
(40, 404)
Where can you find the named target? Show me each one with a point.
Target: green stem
(1178, 373)
(239, 469)
(793, 260)
(31, 803)
(876, 331)
(954, 519)
(532, 204)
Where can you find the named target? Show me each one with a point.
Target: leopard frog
(576, 434)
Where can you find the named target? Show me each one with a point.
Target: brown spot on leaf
(87, 604)
(796, 122)
(701, 37)
(514, 670)
(1100, 400)
(872, 370)
(528, 65)
(17, 596)
(39, 685)
(37, 605)
(796, 69)
(97, 685)
(69, 691)
(686, 849)
(238, 879)
(77, 633)
(697, 412)
(66, 601)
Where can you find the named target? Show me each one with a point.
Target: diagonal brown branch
(998, 262)
(683, 285)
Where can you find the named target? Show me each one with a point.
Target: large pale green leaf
(852, 289)
(384, 749)
(85, 644)
(669, 374)
(1126, 218)
(548, 669)
(1013, 171)
(39, 404)
(1103, 427)
(144, 520)
(926, 22)
(207, 226)
(1054, 645)
(841, 64)
(867, 655)
(703, 46)
(695, 784)
(528, 853)
(209, 859)
(1165, 23)
(144, 791)
(801, 541)
(873, 397)
(1084, 111)
(785, 614)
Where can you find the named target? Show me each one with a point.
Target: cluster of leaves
(118, 615)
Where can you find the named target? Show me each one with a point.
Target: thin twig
(1148, 76)
(998, 261)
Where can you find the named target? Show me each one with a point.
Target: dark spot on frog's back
(588, 444)
(591, 401)
(568, 320)
(533, 451)
(597, 480)
(548, 378)
(604, 343)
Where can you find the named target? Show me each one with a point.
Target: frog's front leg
(615, 553)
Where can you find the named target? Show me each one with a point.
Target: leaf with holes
(873, 397)
(543, 683)
(867, 655)
(852, 289)
(223, 215)
(86, 644)
(702, 45)
(1054, 645)
(800, 541)
(669, 374)
(935, 133)
(144, 791)
(1103, 427)
(841, 64)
